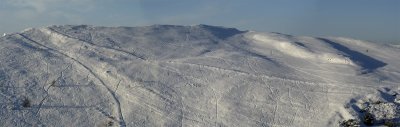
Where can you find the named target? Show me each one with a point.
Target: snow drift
(166, 75)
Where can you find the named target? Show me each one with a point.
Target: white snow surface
(167, 75)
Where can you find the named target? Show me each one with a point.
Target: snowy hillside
(164, 75)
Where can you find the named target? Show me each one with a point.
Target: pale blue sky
(374, 20)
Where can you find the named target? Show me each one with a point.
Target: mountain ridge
(171, 75)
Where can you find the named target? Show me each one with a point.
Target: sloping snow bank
(297, 50)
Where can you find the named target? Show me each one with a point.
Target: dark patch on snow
(368, 63)
(222, 32)
(300, 44)
(376, 110)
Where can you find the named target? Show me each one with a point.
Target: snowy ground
(201, 75)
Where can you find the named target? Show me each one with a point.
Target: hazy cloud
(44, 5)
(19, 14)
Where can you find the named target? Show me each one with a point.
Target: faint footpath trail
(110, 90)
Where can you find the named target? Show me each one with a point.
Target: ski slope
(167, 75)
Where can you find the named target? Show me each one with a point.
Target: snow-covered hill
(165, 75)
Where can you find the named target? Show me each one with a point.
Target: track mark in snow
(305, 96)
(327, 95)
(291, 100)
(153, 108)
(275, 112)
(122, 122)
(294, 81)
(50, 31)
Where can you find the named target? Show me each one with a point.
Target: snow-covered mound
(396, 45)
(165, 75)
(297, 49)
